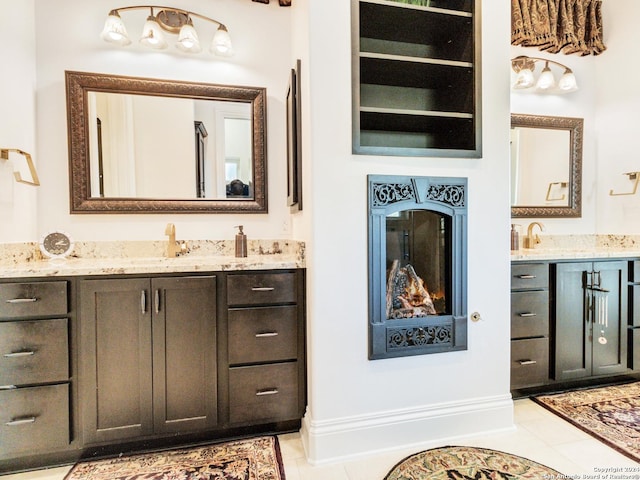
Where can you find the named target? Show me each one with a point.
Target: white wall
(357, 405)
(18, 202)
(617, 106)
(262, 42)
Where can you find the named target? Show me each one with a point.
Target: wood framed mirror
(546, 166)
(142, 145)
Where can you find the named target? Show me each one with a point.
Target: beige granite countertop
(569, 247)
(115, 258)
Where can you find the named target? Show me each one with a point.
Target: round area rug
(462, 463)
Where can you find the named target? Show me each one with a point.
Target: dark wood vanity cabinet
(35, 368)
(529, 324)
(590, 330)
(148, 356)
(416, 74)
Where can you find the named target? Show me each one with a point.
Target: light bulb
(524, 79)
(114, 30)
(546, 79)
(221, 43)
(568, 81)
(152, 35)
(188, 39)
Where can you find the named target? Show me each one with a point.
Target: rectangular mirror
(546, 166)
(141, 145)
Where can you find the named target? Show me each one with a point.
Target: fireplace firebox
(417, 265)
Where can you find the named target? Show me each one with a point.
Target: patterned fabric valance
(567, 26)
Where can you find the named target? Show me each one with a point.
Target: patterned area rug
(611, 414)
(468, 463)
(253, 459)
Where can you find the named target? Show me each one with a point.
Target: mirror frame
(575, 127)
(78, 84)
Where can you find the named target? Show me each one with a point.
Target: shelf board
(404, 58)
(421, 113)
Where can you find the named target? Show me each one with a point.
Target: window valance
(567, 26)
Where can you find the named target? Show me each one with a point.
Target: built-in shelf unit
(416, 78)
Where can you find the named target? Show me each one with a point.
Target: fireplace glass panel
(418, 264)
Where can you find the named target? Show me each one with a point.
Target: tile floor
(539, 435)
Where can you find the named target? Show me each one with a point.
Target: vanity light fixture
(169, 20)
(526, 81)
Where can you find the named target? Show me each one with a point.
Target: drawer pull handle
(527, 276)
(527, 362)
(270, 391)
(266, 334)
(22, 300)
(528, 314)
(25, 353)
(20, 421)
(262, 289)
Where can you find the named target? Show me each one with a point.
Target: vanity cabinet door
(148, 356)
(590, 319)
(184, 354)
(115, 359)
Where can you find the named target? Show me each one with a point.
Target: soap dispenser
(515, 238)
(241, 243)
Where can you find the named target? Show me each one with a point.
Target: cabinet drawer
(34, 419)
(529, 314)
(635, 272)
(263, 393)
(33, 299)
(634, 348)
(264, 334)
(34, 351)
(261, 288)
(529, 275)
(529, 362)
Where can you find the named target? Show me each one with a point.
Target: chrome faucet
(532, 240)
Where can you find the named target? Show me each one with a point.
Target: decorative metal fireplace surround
(422, 322)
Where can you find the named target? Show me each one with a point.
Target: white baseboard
(344, 439)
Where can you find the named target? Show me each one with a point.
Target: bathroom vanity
(102, 356)
(573, 315)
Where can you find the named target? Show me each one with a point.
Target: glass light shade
(524, 79)
(546, 79)
(114, 30)
(221, 43)
(152, 35)
(188, 39)
(568, 81)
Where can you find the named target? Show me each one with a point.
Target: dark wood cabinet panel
(149, 351)
(115, 353)
(264, 334)
(263, 393)
(261, 288)
(31, 299)
(529, 362)
(184, 354)
(34, 419)
(590, 319)
(530, 314)
(34, 352)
